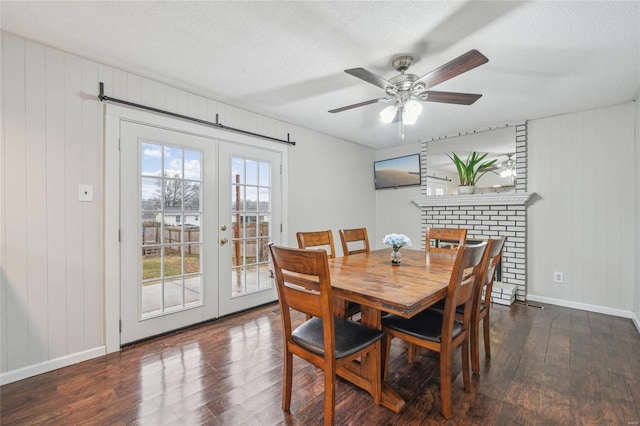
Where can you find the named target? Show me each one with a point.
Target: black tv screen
(397, 172)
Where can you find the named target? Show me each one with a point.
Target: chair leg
(412, 352)
(466, 379)
(487, 338)
(329, 397)
(374, 372)
(386, 349)
(287, 372)
(475, 346)
(445, 384)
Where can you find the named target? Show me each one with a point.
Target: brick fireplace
(487, 215)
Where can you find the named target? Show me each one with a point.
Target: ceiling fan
(406, 90)
(508, 167)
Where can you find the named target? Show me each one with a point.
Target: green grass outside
(151, 265)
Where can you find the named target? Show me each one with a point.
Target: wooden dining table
(419, 281)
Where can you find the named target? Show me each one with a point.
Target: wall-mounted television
(397, 172)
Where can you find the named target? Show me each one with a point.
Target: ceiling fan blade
(461, 64)
(359, 104)
(450, 97)
(369, 77)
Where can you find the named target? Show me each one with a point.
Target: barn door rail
(217, 124)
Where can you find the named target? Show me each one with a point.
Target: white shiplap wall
(52, 247)
(52, 261)
(581, 165)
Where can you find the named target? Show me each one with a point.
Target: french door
(250, 218)
(194, 228)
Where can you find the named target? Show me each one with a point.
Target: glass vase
(396, 256)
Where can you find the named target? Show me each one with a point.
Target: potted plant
(471, 170)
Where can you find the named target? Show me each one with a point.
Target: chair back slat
(316, 239)
(358, 235)
(453, 238)
(303, 300)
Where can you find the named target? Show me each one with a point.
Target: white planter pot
(466, 190)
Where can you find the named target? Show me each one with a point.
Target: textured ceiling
(287, 59)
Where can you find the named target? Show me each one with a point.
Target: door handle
(223, 241)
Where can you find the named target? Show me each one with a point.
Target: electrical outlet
(558, 277)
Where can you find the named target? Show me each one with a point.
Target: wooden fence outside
(173, 234)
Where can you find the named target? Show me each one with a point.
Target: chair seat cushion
(427, 325)
(351, 336)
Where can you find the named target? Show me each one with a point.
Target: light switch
(85, 192)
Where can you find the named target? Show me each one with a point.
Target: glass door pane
(250, 219)
(171, 246)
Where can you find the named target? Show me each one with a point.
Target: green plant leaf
(471, 170)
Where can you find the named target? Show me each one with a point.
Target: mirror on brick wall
(499, 144)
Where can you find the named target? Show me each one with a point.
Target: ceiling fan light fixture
(413, 108)
(408, 118)
(388, 114)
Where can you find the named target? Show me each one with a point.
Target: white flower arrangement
(397, 241)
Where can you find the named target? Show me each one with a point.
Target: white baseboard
(583, 307)
(54, 364)
(636, 320)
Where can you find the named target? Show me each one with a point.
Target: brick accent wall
(521, 157)
(485, 221)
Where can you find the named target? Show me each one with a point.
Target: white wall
(395, 213)
(581, 165)
(51, 245)
(330, 186)
(52, 298)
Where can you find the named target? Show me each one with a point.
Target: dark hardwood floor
(549, 366)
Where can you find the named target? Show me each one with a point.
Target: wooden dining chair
(316, 239)
(358, 236)
(440, 331)
(452, 239)
(327, 341)
(481, 307)
(354, 241)
(441, 240)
